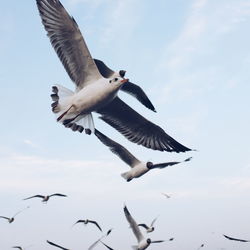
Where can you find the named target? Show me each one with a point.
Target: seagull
(95, 93)
(45, 198)
(21, 248)
(143, 243)
(89, 221)
(55, 245)
(235, 239)
(11, 219)
(148, 228)
(138, 168)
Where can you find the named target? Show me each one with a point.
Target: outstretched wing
(55, 245)
(138, 129)
(167, 164)
(4, 217)
(117, 149)
(235, 239)
(18, 247)
(143, 225)
(138, 93)
(107, 246)
(94, 222)
(68, 42)
(57, 194)
(157, 241)
(35, 196)
(133, 225)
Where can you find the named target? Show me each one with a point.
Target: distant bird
(11, 219)
(235, 239)
(55, 245)
(107, 246)
(166, 195)
(148, 228)
(45, 198)
(94, 92)
(138, 168)
(89, 221)
(202, 245)
(171, 239)
(143, 243)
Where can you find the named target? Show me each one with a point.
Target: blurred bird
(55, 245)
(202, 245)
(235, 239)
(89, 221)
(94, 92)
(11, 219)
(166, 195)
(138, 168)
(45, 198)
(143, 243)
(148, 228)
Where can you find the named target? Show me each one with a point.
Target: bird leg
(63, 114)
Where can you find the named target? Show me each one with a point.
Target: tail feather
(126, 176)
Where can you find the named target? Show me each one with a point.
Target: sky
(192, 58)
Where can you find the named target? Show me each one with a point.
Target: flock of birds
(96, 90)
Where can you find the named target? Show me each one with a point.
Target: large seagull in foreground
(96, 87)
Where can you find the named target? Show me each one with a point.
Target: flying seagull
(45, 198)
(11, 219)
(148, 228)
(55, 245)
(94, 93)
(89, 221)
(138, 168)
(235, 239)
(202, 245)
(143, 243)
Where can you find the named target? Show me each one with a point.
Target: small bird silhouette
(89, 221)
(45, 198)
(11, 219)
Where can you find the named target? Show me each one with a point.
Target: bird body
(136, 171)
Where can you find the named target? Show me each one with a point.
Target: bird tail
(61, 97)
(126, 176)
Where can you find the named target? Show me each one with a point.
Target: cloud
(197, 50)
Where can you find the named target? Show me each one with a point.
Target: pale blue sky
(192, 58)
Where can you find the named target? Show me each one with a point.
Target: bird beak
(124, 80)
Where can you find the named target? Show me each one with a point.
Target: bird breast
(139, 170)
(94, 96)
(143, 245)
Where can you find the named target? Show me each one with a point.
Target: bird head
(149, 164)
(122, 73)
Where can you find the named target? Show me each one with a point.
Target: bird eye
(116, 79)
(109, 81)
